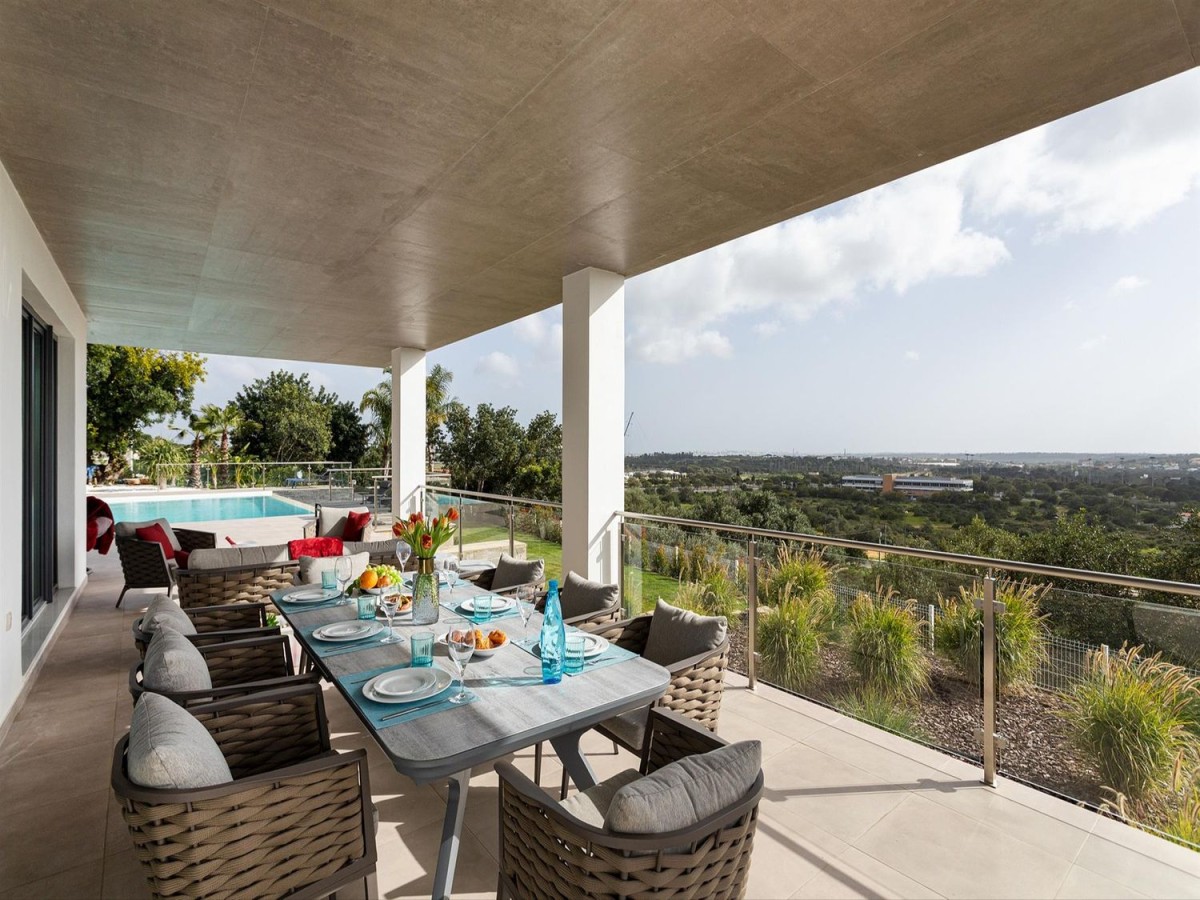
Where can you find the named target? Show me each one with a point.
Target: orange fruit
(368, 580)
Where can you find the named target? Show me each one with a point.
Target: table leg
(573, 760)
(456, 809)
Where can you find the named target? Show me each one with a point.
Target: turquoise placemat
(611, 655)
(280, 598)
(375, 712)
(325, 649)
(470, 617)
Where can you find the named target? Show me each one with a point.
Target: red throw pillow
(317, 546)
(356, 523)
(157, 535)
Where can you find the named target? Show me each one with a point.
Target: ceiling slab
(233, 176)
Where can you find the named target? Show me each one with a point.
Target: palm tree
(377, 403)
(224, 420)
(198, 430)
(437, 400)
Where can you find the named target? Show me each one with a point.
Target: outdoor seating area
(844, 810)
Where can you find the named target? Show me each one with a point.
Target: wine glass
(461, 644)
(403, 552)
(390, 601)
(343, 569)
(451, 570)
(525, 595)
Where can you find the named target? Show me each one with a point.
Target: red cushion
(156, 534)
(317, 546)
(355, 524)
(181, 557)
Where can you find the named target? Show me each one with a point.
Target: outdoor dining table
(511, 708)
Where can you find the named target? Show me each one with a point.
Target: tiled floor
(849, 811)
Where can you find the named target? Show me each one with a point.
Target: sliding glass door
(39, 359)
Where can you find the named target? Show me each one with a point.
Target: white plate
(407, 685)
(592, 646)
(499, 604)
(312, 595)
(354, 630)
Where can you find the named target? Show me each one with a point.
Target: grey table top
(507, 716)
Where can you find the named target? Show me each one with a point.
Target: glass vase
(425, 609)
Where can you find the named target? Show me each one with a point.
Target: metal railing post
(621, 572)
(989, 680)
(512, 530)
(462, 521)
(751, 612)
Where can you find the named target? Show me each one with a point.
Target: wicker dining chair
(236, 668)
(546, 852)
(217, 624)
(509, 575)
(234, 584)
(295, 821)
(145, 565)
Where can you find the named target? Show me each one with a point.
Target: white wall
(28, 270)
(408, 430)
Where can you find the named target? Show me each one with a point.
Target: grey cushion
(165, 611)
(311, 567)
(333, 520)
(174, 664)
(688, 790)
(511, 571)
(129, 529)
(591, 806)
(678, 634)
(579, 596)
(169, 748)
(237, 557)
(373, 547)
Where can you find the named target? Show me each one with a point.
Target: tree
(224, 420)
(377, 404)
(290, 423)
(348, 433)
(437, 402)
(130, 389)
(198, 431)
(491, 452)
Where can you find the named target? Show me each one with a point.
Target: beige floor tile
(1147, 844)
(734, 727)
(805, 784)
(124, 878)
(77, 881)
(956, 856)
(39, 730)
(1082, 884)
(855, 874)
(46, 839)
(1136, 871)
(406, 867)
(31, 782)
(782, 861)
(885, 763)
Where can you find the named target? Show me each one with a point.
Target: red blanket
(98, 539)
(317, 546)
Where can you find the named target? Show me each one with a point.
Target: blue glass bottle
(553, 639)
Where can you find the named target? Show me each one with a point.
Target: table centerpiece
(425, 537)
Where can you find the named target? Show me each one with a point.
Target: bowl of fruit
(486, 642)
(380, 579)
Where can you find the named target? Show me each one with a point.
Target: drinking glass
(461, 644)
(525, 595)
(403, 552)
(344, 569)
(422, 649)
(573, 658)
(390, 602)
(328, 579)
(482, 608)
(451, 568)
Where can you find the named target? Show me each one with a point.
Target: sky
(1039, 294)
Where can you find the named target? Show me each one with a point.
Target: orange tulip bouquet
(426, 537)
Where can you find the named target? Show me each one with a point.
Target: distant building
(912, 485)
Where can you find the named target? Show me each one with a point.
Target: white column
(408, 430)
(593, 399)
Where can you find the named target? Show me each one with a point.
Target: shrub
(1130, 715)
(1020, 633)
(799, 574)
(884, 640)
(714, 594)
(658, 560)
(790, 635)
(882, 711)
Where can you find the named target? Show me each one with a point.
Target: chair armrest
(483, 580)
(608, 616)
(229, 616)
(207, 638)
(248, 659)
(630, 634)
(268, 730)
(143, 563)
(310, 529)
(190, 699)
(671, 736)
(697, 686)
(190, 539)
(513, 588)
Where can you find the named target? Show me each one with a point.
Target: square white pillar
(408, 430)
(593, 399)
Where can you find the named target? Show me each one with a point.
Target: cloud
(912, 355)
(542, 330)
(767, 329)
(498, 365)
(1128, 284)
(889, 239)
(1094, 343)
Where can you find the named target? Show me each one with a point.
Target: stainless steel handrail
(1130, 581)
(498, 498)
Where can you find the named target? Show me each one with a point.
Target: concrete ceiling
(325, 181)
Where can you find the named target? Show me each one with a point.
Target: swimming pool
(207, 509)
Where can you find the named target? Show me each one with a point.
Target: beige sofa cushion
(311, 567)
(237, 557)
(333, 519)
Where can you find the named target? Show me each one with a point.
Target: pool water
(206, 509)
